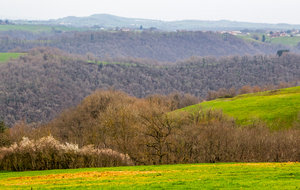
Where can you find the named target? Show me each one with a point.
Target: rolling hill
(106, 20)
(36, 28)
(40, 84)
(162, 46)
(276, 107)
(286, 40)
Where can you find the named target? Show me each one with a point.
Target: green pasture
(248, 38)
(191, 176)
(6, 56)
(278, 108)
(283, 39)
(286, 40)
(37, 28)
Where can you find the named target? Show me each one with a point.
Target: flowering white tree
(49, 153)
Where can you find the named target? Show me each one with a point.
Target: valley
(111, 102)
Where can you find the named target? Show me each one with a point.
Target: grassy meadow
(286, 40)
(5, 56)
(191, 176)
(248, 38)
(276, 107)
(283, 39)
(36, 28)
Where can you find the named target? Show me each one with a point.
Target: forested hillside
(37, 86)
(165, 46)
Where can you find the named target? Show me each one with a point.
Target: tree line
(111, 128)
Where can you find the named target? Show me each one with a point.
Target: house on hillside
(277, 34)
(184, 31)
(125, 30)
(219, 32)
(283, 34)
(234, 32)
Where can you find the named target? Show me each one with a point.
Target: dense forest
(37, 86)
(162, 46)
(18, 35)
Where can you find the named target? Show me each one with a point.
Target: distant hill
(278, 107)
(106, 20)
(162, 46)
(36, 28)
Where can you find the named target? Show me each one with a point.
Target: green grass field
(286, 40)
(5, 56)
(277, 108)
(36, 28)
(283, 40)
(192, 176)
(248, 38)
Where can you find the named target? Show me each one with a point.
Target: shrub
(48, 153)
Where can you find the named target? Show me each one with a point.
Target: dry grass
(85, 174)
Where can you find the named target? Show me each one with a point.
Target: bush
(4, 135)
(256, 37)
(48, 153)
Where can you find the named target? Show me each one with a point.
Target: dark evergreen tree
(280, 52)
(263, 38)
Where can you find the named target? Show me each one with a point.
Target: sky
(261, 11)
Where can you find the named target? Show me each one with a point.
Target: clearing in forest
(5, 56)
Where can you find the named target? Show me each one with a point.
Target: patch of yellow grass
(87, 175)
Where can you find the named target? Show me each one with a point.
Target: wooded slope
(40, 84)
(165, 46)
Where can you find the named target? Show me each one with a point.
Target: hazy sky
(265, 11)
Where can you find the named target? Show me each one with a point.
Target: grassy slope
(274, 107)
(192, 176)
(36, 28)
(248, 39)
(284, 40)
(6, 56)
